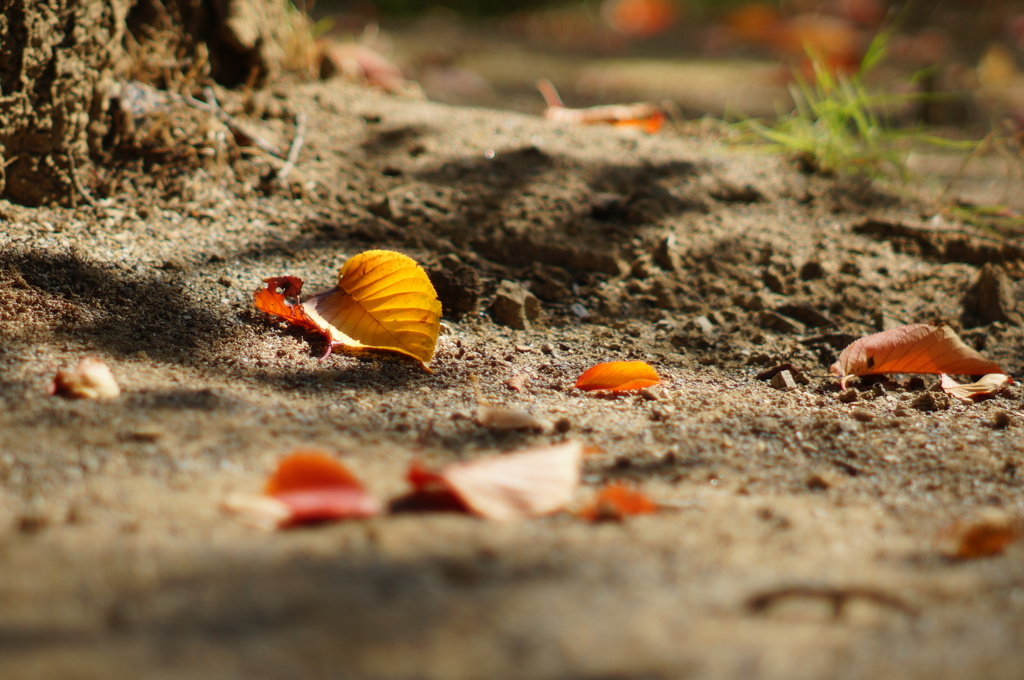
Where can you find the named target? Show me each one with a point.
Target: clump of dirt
(799, 542)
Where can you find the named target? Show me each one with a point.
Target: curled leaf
(643, 115)
(90, 379)
(616, 501)
(383, 300)
(618, 376)
(506, 487)
(985, 387)
(307, 486)
(517, 382)
(917, 348)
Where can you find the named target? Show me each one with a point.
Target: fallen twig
(293, 153)
(77, 183)
(837, 596)
(237, 128)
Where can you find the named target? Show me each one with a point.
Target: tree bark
(59, 61)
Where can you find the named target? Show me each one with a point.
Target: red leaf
(918, 348)
(618, 376)
(309, 469)
(273, 301)
(308, 486)
(617, 501)
(505, 487)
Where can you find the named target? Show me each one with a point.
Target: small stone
(805, 314)
(811, 270)
(515, 307)
(704, 324)
(33, 522)
(147, 433)
(797, 375)
(664, 293)
(930, 401)
(579, 311)
(175, 264)
(849, 396)
(563, 425)
(863, 415)
(547, 348)
(822, 481)
(652, 394)
(777, 322)
(783, 380)
(666, 254)
(884, 322)
(1002, 420)
(225, 281)
(992, 297)
(775, 281)
(458, 288)
(662, 412)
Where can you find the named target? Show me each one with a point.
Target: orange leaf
(987, 386)
(383, 300)
(308, 486)
(506, 487)
(639, 18)
(617, 501)
(618, 376)
(918, 348)
(309, 469)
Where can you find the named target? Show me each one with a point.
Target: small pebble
(783, 380)
(862, 415)
(1002, 420)
(820, 481)
(849, 396)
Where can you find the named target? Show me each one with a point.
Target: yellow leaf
(383, 300)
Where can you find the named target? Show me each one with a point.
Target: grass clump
(839, 124)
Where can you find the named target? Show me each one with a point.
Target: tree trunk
(59, 61)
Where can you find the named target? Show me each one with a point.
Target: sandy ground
(802, 538)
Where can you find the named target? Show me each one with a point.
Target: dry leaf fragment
(985, 387)
(512, 486)
(90, 379)
(642, 115)
(617, 501)
(618, 376)
(917, 348)
(275, 298)
(517, 382)
(383, 300)
(307, 486)
(987, 534)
